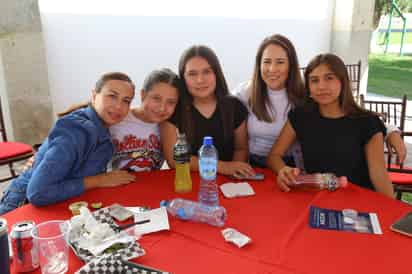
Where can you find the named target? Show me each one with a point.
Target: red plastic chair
(401, 178)
(11, 152)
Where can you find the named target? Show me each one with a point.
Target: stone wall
(24, 85)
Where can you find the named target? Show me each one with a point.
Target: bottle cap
(164, 203)
(343, 181)
(207, 140)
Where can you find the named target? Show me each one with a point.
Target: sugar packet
(235, 237)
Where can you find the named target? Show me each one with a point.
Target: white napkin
(92, 235)
(232, 190)
(158, 221)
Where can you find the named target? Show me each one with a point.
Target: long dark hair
(98, 88)
(183, 110)
(259, 100)
(337, 66)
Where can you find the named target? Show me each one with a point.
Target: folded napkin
(232, 190)
(158, 221)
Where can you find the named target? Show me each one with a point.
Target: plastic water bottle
(190, 210)
(327, 181)
(208, 191)
(181, 155)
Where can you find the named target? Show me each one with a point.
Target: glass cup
(50, 240)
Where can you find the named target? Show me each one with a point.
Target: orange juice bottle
(181, 155)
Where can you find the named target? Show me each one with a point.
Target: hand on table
(109, 179)
(238, 169)
(286, 177)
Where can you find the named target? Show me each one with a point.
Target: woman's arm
(241, 150)
(54, 178)
(168, 138)
(376, 165)
(395, 143)
(108, 179)
(238, 167)
(285, 174)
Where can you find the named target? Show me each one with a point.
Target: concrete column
(24, 85)
(351, 33)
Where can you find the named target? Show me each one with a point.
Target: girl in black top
(207, 109)
(336, 135)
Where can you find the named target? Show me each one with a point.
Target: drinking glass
(50, 240)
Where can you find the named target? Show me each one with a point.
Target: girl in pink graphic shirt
(137, 137)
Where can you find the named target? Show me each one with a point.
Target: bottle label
(181, 154)
(208, 168)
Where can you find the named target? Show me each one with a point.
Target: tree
(383, 7)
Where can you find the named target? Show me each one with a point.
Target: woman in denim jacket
(74, 156)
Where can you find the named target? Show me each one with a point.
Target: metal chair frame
(10, 160)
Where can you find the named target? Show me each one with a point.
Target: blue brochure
(346, 220)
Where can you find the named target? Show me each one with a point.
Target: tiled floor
(4, 172)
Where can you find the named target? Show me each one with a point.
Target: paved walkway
(406, 49)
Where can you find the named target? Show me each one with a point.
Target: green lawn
(390, 75)
(395, 38)
(407, 197)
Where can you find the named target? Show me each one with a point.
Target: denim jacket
(78, 146)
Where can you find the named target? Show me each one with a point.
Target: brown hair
(183, 109)
(338, 67)
(163, 75)
(259, 100)
(98, 88)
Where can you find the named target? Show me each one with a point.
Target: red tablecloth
(276, 222)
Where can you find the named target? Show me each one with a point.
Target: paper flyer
(362, 222)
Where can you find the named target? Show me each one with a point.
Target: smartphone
(257, 177)
(403, 225)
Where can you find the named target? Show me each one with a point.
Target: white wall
(86, 38)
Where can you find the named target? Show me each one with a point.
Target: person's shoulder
(299, 110)
(232, 99)
(79, 121)
(236, 104)
(243, 91)
(366, 117)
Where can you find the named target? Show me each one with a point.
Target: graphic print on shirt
(137, 154)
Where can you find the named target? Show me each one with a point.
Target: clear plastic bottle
(181, 155)
(208, 191)
(327, 181)
(190, 210)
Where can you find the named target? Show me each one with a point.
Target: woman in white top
(137, 137)
(275, 88)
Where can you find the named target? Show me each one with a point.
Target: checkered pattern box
(132, 251)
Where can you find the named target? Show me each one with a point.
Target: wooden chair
(354, 71)
(394, 113)
(11, 152)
